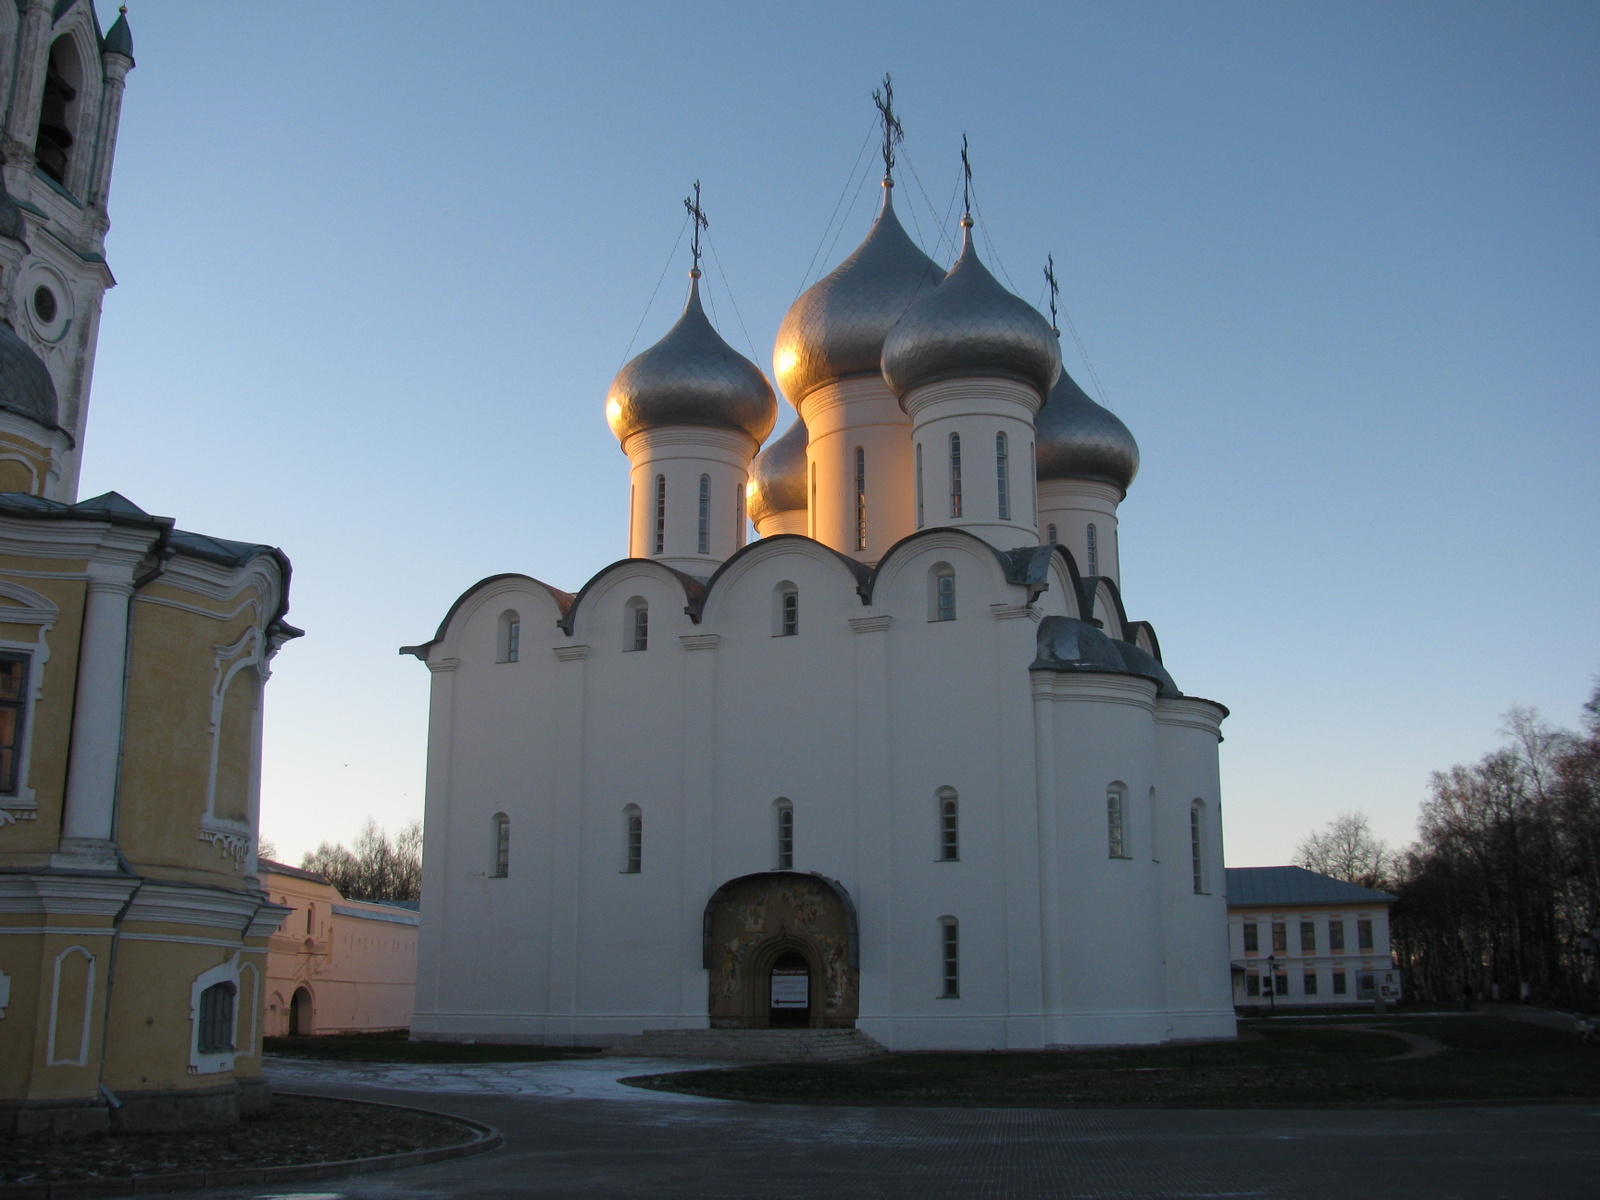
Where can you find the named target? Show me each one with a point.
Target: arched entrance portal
(300, 1013)
(780, 948)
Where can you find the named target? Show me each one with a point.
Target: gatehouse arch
(776, 937)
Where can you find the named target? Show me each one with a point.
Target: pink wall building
(336, 965)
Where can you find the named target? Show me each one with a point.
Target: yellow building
(133, 929)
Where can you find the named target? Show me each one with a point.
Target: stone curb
(486, 1138)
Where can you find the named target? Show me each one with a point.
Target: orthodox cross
(697, 216)
(966, 178)
(1055, 288)
(893, 135)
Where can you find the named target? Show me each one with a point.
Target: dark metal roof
(1067, 644)
(277, 868)
(25, 384)
(1273, 887)
(119, 38)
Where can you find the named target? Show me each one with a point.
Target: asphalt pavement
(571, 1130)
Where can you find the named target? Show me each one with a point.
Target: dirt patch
(297, 1129)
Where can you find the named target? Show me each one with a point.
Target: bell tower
(61, 81)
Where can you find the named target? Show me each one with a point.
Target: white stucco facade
(918, 758)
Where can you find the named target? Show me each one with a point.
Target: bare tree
(377, 868)
(1347, 849)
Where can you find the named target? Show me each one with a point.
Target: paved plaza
(571, 1130)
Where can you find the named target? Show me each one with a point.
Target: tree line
(1499, 897)
(376, 867)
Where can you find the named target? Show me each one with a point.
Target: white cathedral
(902, 764)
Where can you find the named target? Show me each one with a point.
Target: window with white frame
(1252, 938)
(950, 957)
(509, 645)
(500, 845)
(783, 812)
(955, 474)
(13, 713)
(941, 592)
(661, 514)
(1002, 471)
(1116, 821)
(949, 825)
(703, 525)
(785, 610)
(1197, 855)
(636, 625)
(216, 1019)
(632, 840)
(1308, 937)
(1336, 935)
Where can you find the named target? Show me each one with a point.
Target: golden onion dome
(1078, 439)
(836, 328)
(778, 476)
(691, 377)
(970, 327)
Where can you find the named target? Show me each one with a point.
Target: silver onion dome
(691, 377)
(836, 328)
(778, 476)
(25, 383)
(970, 327)
(1078, 439)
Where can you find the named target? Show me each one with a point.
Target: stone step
(748, 1045)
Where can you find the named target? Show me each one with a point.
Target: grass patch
(393, 1047)
(1275, 1062)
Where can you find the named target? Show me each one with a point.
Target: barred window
(216, 1019)
(661, 514)
(1094, 551)
(950, 950)
(1115, 831)
(633, 840)
(920, 515)
(500, 828)
(1002, 470)
(704, 527)
(949, 826)
(861, 498)
(636, 633)
(942, 592)
(1197, 856)
(785, 816)
(955, 474)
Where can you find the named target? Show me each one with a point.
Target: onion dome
(691, 377)
(1078, 439)
(778, 476)
(25, 383)
(970, 327)
(119, 38)
(837, 326)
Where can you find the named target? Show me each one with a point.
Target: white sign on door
(791, 989)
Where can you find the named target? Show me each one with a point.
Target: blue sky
(1335, 264)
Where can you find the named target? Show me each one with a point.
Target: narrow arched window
(1002, 471)
(955, 474)
(704, 527)
(661, 514)
(633, 840)
(1116, 821)
(1094, 550)
(949, 825)
(920, 515)
(861, 498)
(510, 638)
(950, 956)
(1197, 850)
(1033, 488)
(785, 610)
(58, 111)
(633, 518)
(636, 625)
(1052, 534)
(784, 812)
(500, 845)
(941, 592)
(811, 512)
(739, 522)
